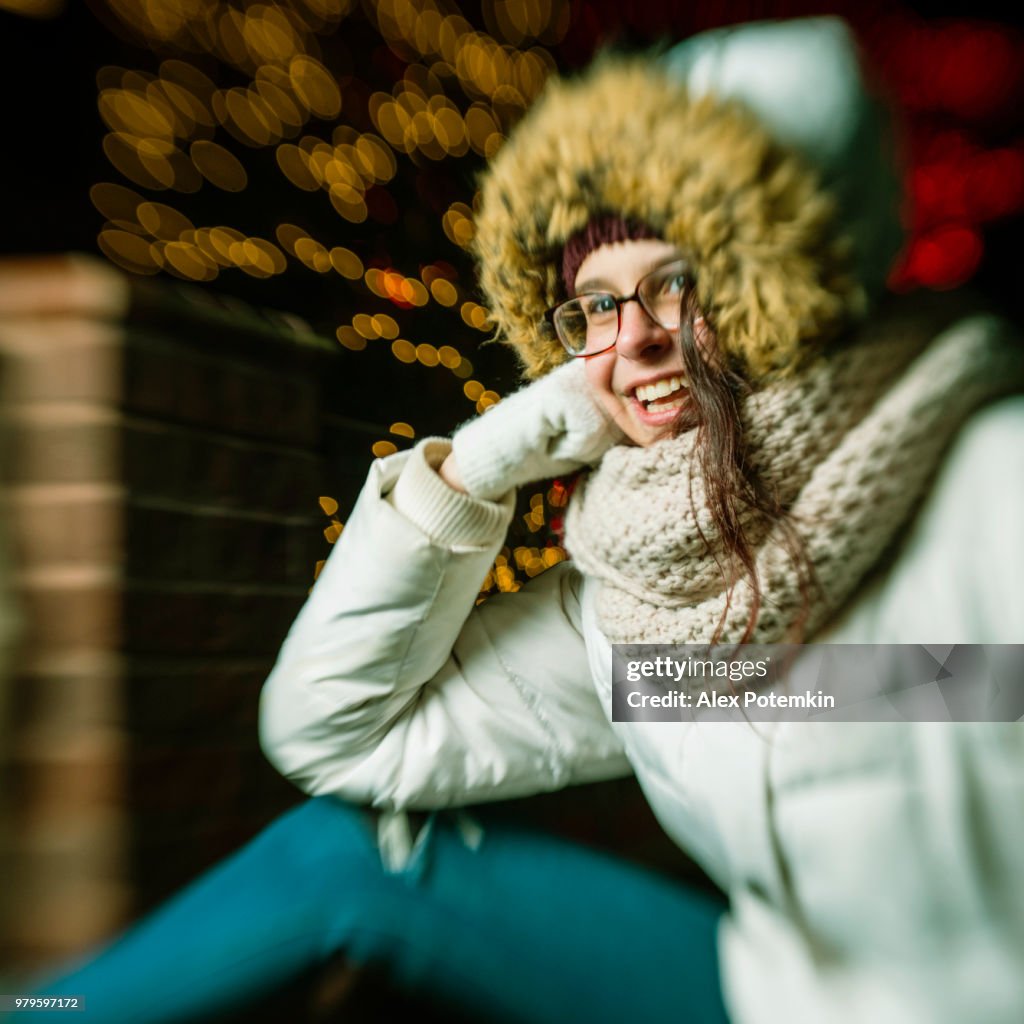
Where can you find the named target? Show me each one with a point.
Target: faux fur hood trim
(773, 276)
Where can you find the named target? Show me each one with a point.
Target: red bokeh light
(943, 258)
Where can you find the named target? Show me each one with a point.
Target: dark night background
(956, 68)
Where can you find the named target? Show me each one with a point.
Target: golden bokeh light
(385, 326)
(117, 203)
(255, 76)
(247, 257)
(364, 324)
(348, 202)
(414, 292)
(315, 86)
(188, 261)
(230, 28)
(480, 126)
(218, 241)
(404, 351)
(203, 238)
(284, 106)
(294, 164)
(186, 103)
(351, 338)
(287, 235)
(339, 169)
(346, 263)
(139, 160)
(444, 291)
(269, 35)
(218, 166)
(129, 251)
(486, 400)
(376, 158)
(248, 119)
(161, 221)
(193, 84)
(427, 355)
(258, 257)
(310, 252)
(504, 577)
(450, 357)
(135, 113)
(553, 555)
(474, 315)
(374, 279)
(483, 65)
(450, 130)
(458, 224)
(384, 448)
(558, 496)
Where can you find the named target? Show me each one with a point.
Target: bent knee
(324, 832)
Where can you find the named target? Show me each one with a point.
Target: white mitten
(552, 426)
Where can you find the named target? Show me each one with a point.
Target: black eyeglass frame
(620, 301)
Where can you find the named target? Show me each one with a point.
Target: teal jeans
(521, 927)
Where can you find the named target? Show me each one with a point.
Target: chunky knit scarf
(849, 444)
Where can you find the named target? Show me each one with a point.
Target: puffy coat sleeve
(394, 688)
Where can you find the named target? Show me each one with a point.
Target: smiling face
(640, 380)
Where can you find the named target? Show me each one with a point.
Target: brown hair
(736, 492)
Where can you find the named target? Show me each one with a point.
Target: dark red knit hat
(604, 229)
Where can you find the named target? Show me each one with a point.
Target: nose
(640, 337)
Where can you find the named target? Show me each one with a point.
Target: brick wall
(166, 451)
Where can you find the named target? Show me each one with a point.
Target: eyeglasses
(590, 323)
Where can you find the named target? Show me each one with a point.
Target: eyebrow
(603, 285)
(598, 284)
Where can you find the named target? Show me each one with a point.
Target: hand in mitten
(552, 426)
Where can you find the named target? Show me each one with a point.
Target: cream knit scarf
(851, 444)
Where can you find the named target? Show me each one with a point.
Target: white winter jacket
(875, 870)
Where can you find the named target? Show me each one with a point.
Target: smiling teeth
(676, 403)
(649, 392)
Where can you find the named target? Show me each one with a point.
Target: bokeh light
(334, 146)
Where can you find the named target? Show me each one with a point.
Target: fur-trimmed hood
(773, 271)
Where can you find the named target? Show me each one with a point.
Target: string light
(163, 138)
(243, 92)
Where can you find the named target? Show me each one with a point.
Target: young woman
(694, 283)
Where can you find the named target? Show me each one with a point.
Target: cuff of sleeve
(448, 517)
